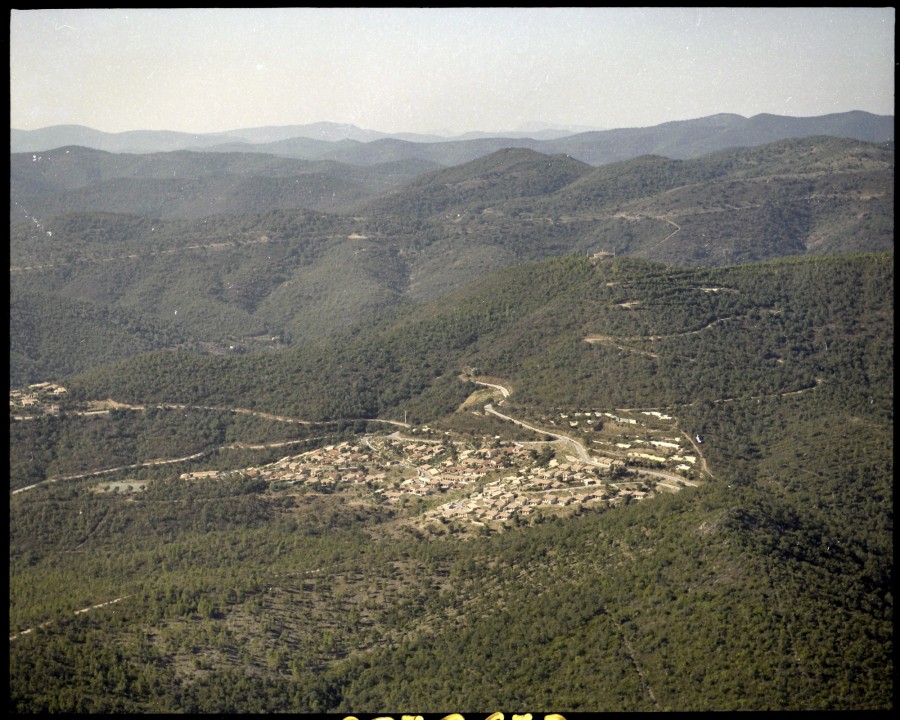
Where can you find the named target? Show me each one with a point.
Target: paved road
(583, 453)
(235, 445)
(149, 463)
(503, 391)
(577, 446)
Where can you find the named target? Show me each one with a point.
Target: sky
(442, 70)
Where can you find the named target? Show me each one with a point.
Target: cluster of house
(40, 397)
(665, 451)
(396, 468)
(591, 416)
(557, 485)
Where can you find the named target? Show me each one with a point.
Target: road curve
(503, 391)
(577, 446)
(583, 453)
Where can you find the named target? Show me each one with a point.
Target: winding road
(503, 391)
(583, 454)
(580, 450)
(232, 446)
(577, 446)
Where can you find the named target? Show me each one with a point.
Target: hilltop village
(37, 399)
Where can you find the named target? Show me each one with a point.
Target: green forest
(399, 437)
(768, 587)
(90, 285)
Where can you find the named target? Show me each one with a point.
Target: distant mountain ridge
(148, 141)
(187, 183)
(348, 143)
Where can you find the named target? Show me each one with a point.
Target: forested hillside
(356, 146)
(761, 582)
(185, 185)
(555, 328)
(254, 268)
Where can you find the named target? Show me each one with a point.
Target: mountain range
(249, 246)
(347, 143)
(595, 423)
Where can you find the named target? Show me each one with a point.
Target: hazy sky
(442, 70)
